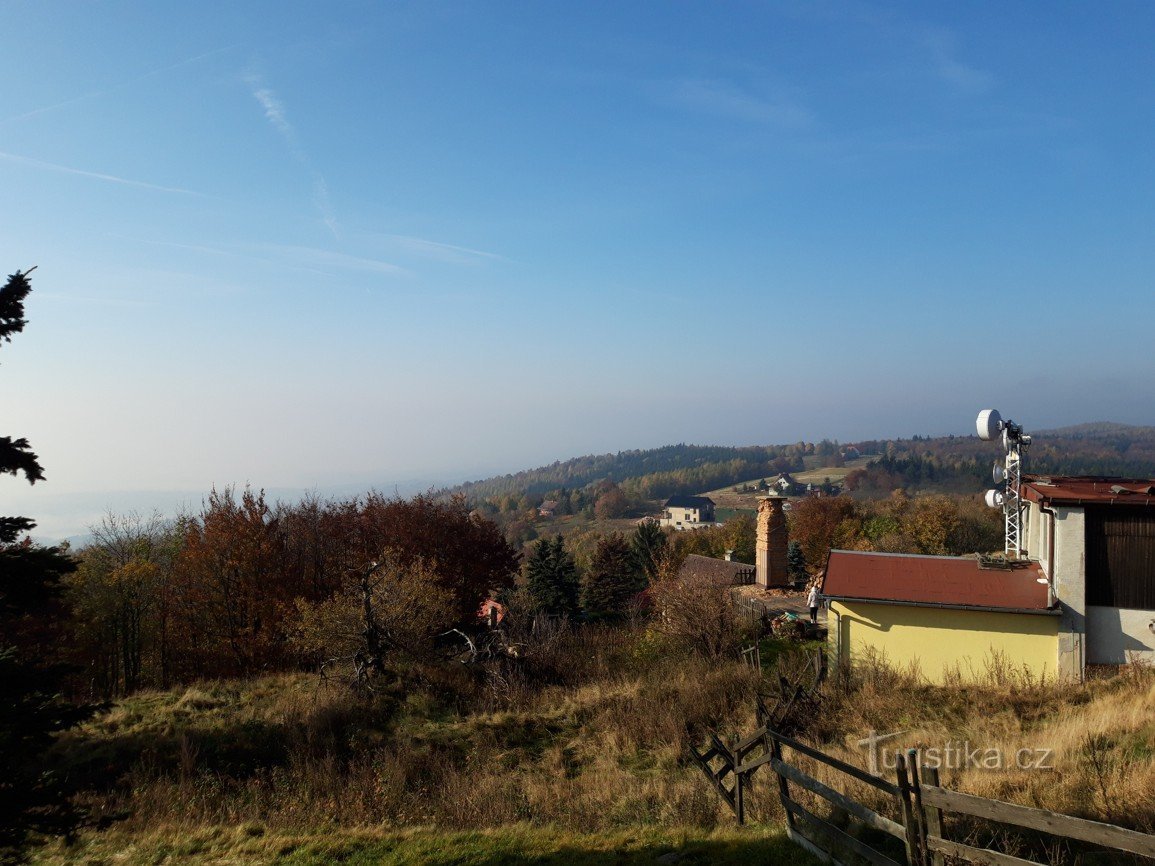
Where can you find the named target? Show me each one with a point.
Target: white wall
(1116, 635)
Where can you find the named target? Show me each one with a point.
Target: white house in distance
(1094, 540)
(688, 512)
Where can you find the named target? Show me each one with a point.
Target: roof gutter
(1047, 611)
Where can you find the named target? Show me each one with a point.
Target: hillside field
(725, 497)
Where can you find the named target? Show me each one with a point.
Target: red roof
(1088, 490)
(955, 581)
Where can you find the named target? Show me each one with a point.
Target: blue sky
(309, 245)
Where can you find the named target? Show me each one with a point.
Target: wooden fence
(744, 577)
(920, 802)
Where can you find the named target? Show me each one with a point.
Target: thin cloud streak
(314, 257)
(299, 258)
(442, 251)
(964, 79)
(93, 94)
(274, 111)
(95, 175)
(724, 99)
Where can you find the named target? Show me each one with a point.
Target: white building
(688, 512)
(1094, 539)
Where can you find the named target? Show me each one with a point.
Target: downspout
(838, 633)
(1051, 599)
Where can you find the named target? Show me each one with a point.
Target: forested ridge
(954, 463)
(680, 462)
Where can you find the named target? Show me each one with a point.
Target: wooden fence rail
(919, 800)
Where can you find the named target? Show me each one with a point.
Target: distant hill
(671, 469)
(962, 463)
(952, 463)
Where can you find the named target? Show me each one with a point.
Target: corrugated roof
(956, 581)
(1088, 490)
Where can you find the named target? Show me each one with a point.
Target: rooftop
(697, 566)
(689, 502)
(951, 581)
(1088, 490)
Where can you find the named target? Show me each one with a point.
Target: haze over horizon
(337, 247)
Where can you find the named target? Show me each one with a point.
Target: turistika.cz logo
(954, 755)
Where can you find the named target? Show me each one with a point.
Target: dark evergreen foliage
(552, 579)
(32, 799)
(12, 297)
(795, 562)
(613, 579)
(648, 545)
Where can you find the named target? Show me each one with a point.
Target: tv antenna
(1008, 475)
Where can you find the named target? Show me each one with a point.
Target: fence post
(919, 812)
(739, 793)
(933, 815)
(783, 787)
(913, 852)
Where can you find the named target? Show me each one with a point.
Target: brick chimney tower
(770, 548)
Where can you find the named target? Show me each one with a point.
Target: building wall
(1116, 636)
(681, 518)
(1067, 572)
(940, 639)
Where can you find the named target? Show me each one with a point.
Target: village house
(688, 512)
(1083, 593)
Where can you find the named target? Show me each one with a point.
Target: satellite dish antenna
(1008, 477)
(989, 424)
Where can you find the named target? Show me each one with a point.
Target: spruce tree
(32, 800)
(648, 544)
(614, 578)
(796, 562)
(552, 579)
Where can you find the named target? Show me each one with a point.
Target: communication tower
(1008, 475)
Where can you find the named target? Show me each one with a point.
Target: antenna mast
(1010, 475)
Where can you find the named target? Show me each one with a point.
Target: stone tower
(770, 549)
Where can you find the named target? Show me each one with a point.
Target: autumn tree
(231, 590)
(697, 611)
(819, 523)
(552, 579)
(611, 502)
(121, 599)
(32, 799)
(738, 534)
(613, 579)
(386, 614)
(467, 553)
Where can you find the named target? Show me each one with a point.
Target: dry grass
(590, 734)
(1088, 749)
(601, 750)
(515, 845)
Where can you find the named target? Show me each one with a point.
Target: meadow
(577, 754)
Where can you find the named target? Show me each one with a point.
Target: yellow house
(941, 613)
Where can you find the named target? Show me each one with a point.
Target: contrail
(96, 175)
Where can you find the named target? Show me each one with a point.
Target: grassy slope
(725, 497)
(277, 770)
(518, 845)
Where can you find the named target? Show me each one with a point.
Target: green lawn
(519, 845)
